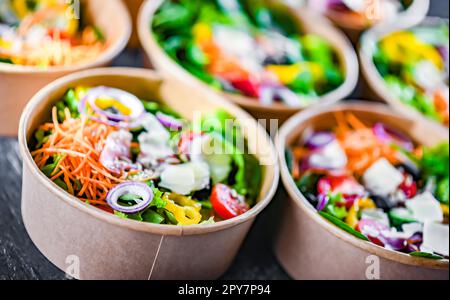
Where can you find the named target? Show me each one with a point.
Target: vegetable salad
(248, 48)
(363, 12)
(46, 33)
(140, 160)
(414, 64)
(376, 184)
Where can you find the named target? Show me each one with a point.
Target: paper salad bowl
(133, 7)
(310, 247)
(19, 83)
(353, 27)
(308, 20)
(108, 247)
(375, 82)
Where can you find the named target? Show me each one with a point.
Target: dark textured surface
(19, 258)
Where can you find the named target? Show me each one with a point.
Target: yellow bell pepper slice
(405, 47)
(361, 204)
(186, 211)
(202, 33)
(288, 73)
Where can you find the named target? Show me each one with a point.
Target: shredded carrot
(360, 144)
(80, 141)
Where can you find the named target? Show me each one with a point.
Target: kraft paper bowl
(19, 83)
(310, 247)
(354, 26)
(133, 8)
(309, 22)
(375, 82)
(107, 247)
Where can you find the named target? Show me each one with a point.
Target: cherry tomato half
(339, 184)
(409, 186)
(227, 203)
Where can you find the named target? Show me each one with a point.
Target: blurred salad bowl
(46, 40)
(354, 16)
(263, 55)
(129, 185)
(368, 195)
(415, 82)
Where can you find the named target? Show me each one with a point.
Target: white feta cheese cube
(382, 178)
(376, 214)
(425, 207)
(332, 156)
(435, 237)
(185, 178)
(412, 228)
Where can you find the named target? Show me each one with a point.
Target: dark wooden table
(20, 259)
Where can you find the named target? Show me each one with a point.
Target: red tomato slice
(227, 203)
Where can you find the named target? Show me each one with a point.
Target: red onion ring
(169, 121)
(386, 134)
(111, 119)
(140, 189)
(319, 140)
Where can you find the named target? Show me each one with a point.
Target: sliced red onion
(416, 238)
(140, 189)
(288, 97)
(394, 240)
(115, 155)
(117, 120)
(267, 95)
(337, 5)
(323, 200)
(372, 229)
(319, 140)
(388, 135)
(169, 121)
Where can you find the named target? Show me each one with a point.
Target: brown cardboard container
(19, 83)
(133, 8)
(376, 83)
(108, 247)
(310, 247)
(308, 20)
(354, 26)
